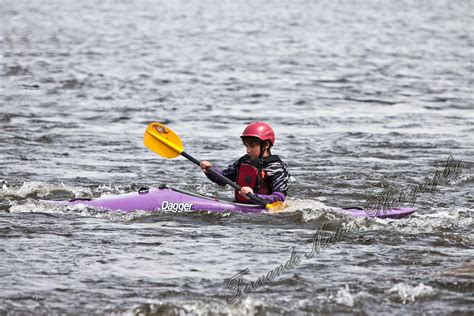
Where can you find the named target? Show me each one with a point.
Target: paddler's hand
(246, 190)
(204, 165)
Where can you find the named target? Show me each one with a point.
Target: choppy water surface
(363, 96)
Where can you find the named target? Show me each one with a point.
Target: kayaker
(258, 171)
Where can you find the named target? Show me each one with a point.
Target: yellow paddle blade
(162, 140)
(276, 207)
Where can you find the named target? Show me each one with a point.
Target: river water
(363, 95)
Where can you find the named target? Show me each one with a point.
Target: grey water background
(362, 94)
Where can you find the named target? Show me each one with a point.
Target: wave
(31, 197)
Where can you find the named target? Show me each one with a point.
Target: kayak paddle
(163, 141)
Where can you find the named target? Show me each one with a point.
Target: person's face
(252, 149)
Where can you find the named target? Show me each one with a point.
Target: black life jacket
(251, 173)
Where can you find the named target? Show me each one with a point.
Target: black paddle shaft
(253, 197)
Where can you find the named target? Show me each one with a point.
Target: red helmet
(260, 130)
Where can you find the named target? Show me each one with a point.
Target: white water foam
(41, 189)
(455, 219)
(109, 190)
(15, 195)
(343, 296)
(244, 306)
(409, 293)
(34, 206)
(310, 209)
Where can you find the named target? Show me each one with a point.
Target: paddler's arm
(230, 172)
(277, 174)
(268, 198)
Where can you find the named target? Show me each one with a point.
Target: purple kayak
(170, 199)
